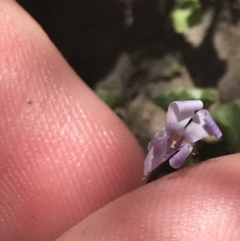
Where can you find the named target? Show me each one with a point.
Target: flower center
(176, 137)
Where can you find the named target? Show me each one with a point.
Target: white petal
(179, 114)
(178, 159)
(198, 128)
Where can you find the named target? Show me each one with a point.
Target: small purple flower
(186, 123)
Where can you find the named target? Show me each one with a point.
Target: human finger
(63, 153)
(197, 203)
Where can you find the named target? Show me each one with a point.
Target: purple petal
(148, 163)
(179, 114)
(212, 127)
(157, 153)
(178, 159)
(202, 126)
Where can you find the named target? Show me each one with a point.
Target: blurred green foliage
(228, 118)
(185, 14)
(208, 96)
(112, 98)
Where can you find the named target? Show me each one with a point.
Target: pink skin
(64, 154)
(197, 203)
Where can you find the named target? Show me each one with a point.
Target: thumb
(197, 203)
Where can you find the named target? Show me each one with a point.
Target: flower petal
(212, 127)
(148, 163)
(157, 153)
(202, 126)
(179, 114)
(177, 160)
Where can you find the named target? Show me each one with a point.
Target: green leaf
(185, 14)
(228, 118)
(208, 96)
(112, 98)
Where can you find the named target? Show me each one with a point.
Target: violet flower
(186, 123)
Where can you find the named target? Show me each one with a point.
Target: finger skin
(197, 203)
(63, 153)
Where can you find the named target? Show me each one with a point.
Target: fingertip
(201, 202)
(64, 153)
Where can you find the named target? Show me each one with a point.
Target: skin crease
(64, 154)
